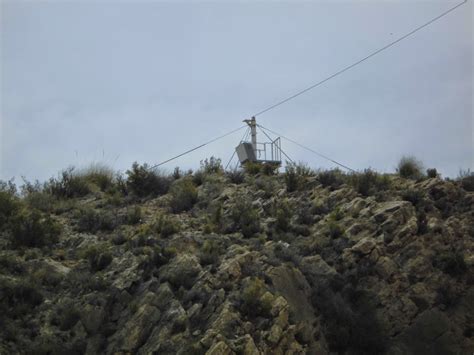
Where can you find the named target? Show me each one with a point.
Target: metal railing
(269, 151)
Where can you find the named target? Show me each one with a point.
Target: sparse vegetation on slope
(239, 262)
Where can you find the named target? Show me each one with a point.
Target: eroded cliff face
(252, 269)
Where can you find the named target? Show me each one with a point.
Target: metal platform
(255, 152)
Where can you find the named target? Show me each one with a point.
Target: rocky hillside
(252, 262)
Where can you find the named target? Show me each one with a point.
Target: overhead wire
(230, 160)
(359, 61)
(271, 140)
(196, 148)
(310, 88)
(307, 148)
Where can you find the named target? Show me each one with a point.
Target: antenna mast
(253, 130)
(263, 152)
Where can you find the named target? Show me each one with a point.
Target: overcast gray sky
(118, 82)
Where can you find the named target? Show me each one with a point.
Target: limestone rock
(226, 320)
(231, 269)
(391, 215)
(92, 318)
(435, 225)
(364, 246)
(342, 195)
(182, 271)
(250, 348)
(57, 267)
(409, 229)
(355, 206)
(275, 334)
(316, 266)
(278, 305)
(175, 317)
(384, 211)
(137, 329)
(164, 296)
(386, 267)
(418, 267)
(386, 280)
(220, 348)
(126, 271)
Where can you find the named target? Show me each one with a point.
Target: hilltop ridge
(239, 262)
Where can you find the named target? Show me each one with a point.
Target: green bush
(269, 169)
(33, 229)
(9, 187)
(65, 314)
(134, 215)
(68, 185)
(303, 170)
(410, 168)
(120, 185)
(98, 256)
(212, 165)
(68, 318)
(166, 226)
(335, 230)
(447, 295)
(283, 215)
(292, 179)
(41, 201)
(114, 197)
(348, 318)
(119, 239)
(183, 195)
(432, 173)
(144, 181)
(99, 175)
(287, 253)
(414, 196)
(246, 218)
(9, 206)
(319, 208)
(10, 263)
(251, 298)
(199, 177)
(84, 281)
(422, 223)
(331, 178)
(35, 196)
(369, 182)
(19, 297)
(177, 173)
(210, 252)
(266, 184)
(467, 180)
(451, 263)
(336, 215)
(295, 174)
(215, 220)
(210, 190)
(90, 220)
(252, 168)
(235, 176)
(47, 276)
(305, 214)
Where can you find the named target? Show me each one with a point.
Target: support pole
(253, 130)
